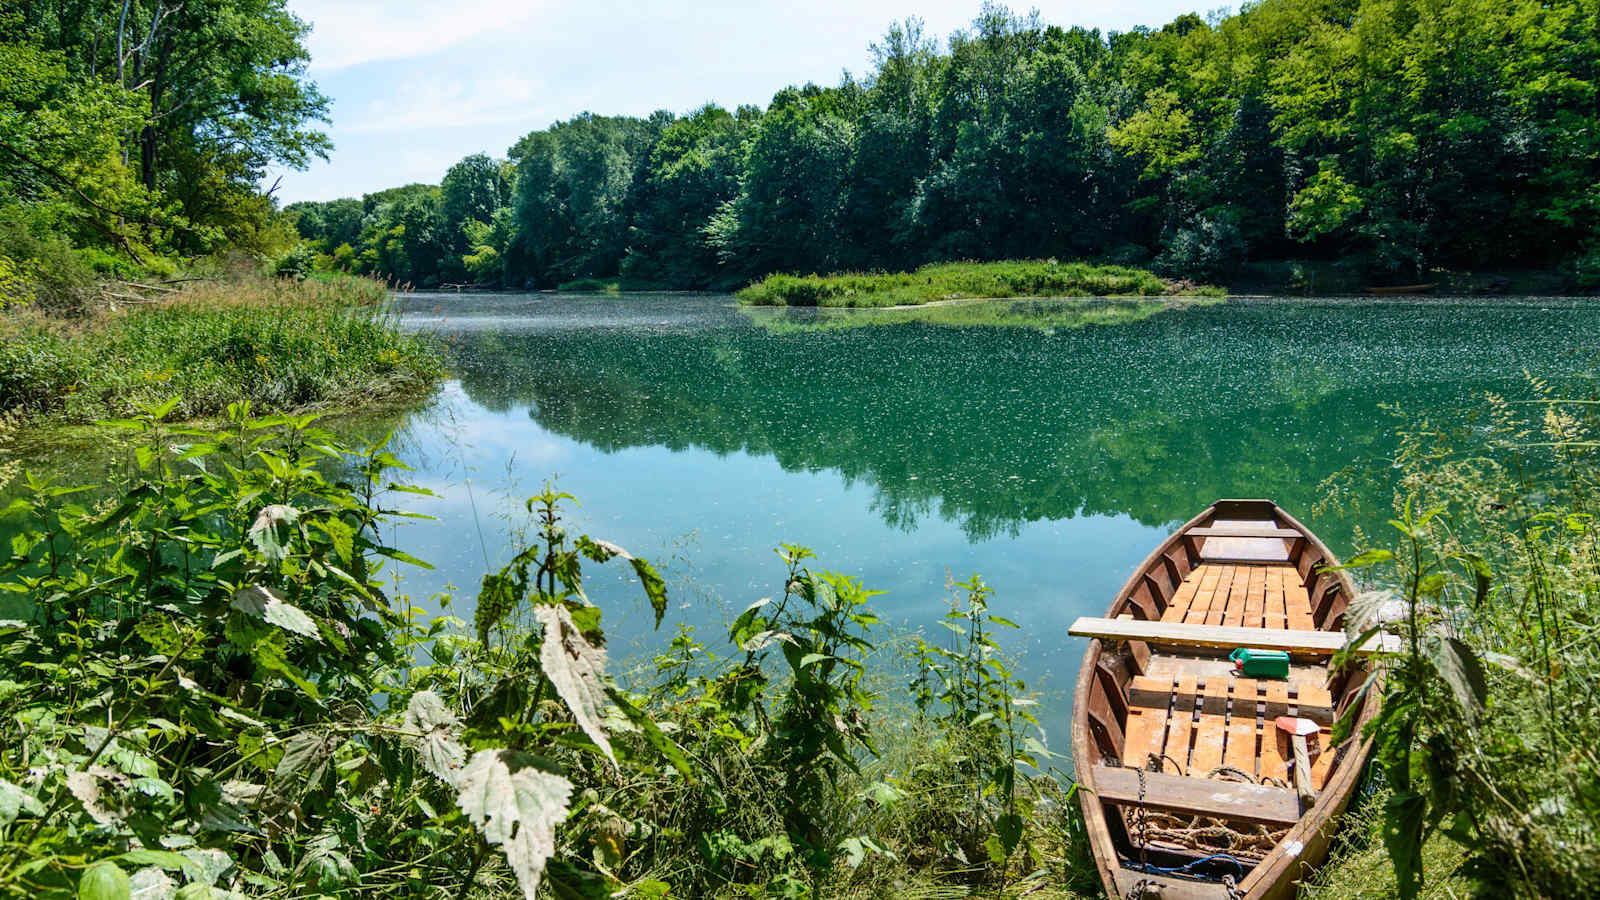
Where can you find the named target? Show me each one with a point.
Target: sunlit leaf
(270, 531)
(104, 880)
(517, 810)
(654, 587)
(267, 604)
(577, 669)
(436, 728)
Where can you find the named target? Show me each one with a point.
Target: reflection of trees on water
(997, 427)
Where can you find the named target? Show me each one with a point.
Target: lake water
(1050, 459)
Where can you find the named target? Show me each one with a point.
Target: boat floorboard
(1191, 712)
(1251, 595)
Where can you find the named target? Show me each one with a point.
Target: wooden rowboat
(1186, 781)
(1402, 289)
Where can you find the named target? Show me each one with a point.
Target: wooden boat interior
(1175, 736)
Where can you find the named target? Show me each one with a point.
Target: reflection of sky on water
(712, 520)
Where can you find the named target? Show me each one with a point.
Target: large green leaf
(1403, 816)
(1459, 667)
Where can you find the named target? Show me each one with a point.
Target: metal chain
(1142, 823)
(1233, 889)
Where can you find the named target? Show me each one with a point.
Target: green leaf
(15, 800)
(654, 587)
(1459, 667)
(996, 850)
(268, 605)
(1009, 828)
(811, 659)
(653, 734)
(1369, 558)
(165, 859)
(104, 881)
(401, 556)
(1403, 815)
(271, 530)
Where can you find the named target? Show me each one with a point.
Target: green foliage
(949, 281)
(143, 130)
(1399, 138)
(212, 689)
(967, 689)
(281, 344)
(1487, 734)
(296, 264)
(42, 272)
(200, 656)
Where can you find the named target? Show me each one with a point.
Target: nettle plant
(211, 693)
(967, 689)
(537, 714)
(189, 692)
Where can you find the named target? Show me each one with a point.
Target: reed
(279, 344)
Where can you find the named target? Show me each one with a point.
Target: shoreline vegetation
(283, 345)
(965, 281)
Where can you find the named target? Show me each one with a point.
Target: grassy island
(962, 281)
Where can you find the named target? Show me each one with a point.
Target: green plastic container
(1261, 663)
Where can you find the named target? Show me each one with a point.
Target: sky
(418, 85)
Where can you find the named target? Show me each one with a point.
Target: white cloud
(425, 104)
(351, 32)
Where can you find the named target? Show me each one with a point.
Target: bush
(1582, 272)
(948, 281)
(1208, 248)
(281, 344)
(46, 273)
(298, 263)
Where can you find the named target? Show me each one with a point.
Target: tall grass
(1491, 715)
(280, 344)
(949, 281)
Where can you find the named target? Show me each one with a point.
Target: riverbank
(280, 344)
(965, 280)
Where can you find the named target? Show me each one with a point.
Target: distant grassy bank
(609, 286)
(963, 280)
(1044, 315)
(278, 343)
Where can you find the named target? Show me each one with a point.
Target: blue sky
(418, 85)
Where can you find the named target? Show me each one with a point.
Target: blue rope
(1162, 870)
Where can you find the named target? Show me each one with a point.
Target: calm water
(1048, 459)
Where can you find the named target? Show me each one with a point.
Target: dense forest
(134, 136)
(1393, 135)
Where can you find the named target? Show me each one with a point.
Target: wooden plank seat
(1218, 637)
(1231, 800)
(1308, 701)
(1268, 531)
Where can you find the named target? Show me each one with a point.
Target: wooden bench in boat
(1268, 596)
(1238, 532)
(1232, 800)
(1217, 637)
(1313, 703)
